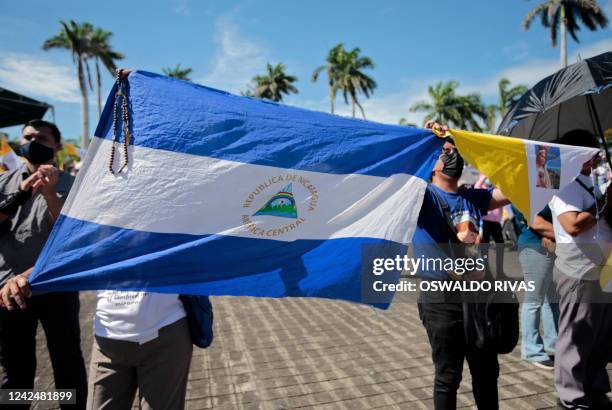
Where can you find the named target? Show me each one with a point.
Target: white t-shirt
(583, 255)
(135, 316)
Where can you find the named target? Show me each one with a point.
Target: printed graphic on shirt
(125, 298)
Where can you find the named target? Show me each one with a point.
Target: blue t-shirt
(432, 228)
(527, 236)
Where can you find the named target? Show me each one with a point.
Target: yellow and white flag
(8, 158)
(74, 151)
(528, 172)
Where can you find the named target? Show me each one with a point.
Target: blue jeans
(537, 266)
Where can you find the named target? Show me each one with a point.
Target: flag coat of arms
(229, 195)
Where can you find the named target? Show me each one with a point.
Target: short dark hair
(42, 123)
(579, 138)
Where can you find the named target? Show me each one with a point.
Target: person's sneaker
(562, 405)
(545, 364)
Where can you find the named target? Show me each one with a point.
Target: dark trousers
(444, 325)
(493, 230)
(584, 345)
(59, 315)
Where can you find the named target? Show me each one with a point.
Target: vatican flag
(528, 172)
(8, 158)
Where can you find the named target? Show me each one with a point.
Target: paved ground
(310, 353)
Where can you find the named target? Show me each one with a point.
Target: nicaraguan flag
(229, 195)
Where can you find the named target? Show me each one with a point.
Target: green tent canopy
(18, 109)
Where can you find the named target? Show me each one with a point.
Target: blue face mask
(37, 153)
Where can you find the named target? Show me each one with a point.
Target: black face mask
(37, 153)
(453, 164)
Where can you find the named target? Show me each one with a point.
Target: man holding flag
(31, 198)
(442, 315)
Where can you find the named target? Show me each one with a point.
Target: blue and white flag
(229, 195)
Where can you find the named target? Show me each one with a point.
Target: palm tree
(333, 66)
(449, 108)
(508, 96)
(403, 121)
(491, 120)
(102, 51)
(178, 72)
(470, 106)
(76, 38)
(352, 80)
(562, 15)
(345, 72)
(274, 83)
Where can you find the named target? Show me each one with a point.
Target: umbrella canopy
(18, 109)
(578, 96)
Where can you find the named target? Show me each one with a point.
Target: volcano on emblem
(281, 204)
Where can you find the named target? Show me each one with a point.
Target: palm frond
(533, 14)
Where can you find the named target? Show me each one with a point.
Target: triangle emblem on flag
(281, 204)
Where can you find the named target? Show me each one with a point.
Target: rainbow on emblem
(281, 204)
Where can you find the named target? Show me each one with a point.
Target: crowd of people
(142, 339)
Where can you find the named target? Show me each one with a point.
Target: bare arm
(575, 223)
(480, 183)
(498, 199)
(543, 227)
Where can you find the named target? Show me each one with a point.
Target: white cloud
(517, 51)
(37, 77)
(532, 71)
(181, 7)
(237, 60)
(594, 49)
(389, 108)
(383, 108)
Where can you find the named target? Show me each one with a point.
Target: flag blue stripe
(189, 118)
(105, 257)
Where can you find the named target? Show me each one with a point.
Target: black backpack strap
(449, 222)
(447, 214)
(590, 190)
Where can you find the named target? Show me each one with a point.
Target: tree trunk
(563, 47)
(331, 99)
(84, 105)
(360, 109)
(98, 85)
(353, 104)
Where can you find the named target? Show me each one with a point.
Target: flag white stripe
(170, 192)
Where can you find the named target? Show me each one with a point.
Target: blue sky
(413, 43)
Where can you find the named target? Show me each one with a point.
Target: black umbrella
(18, 109)
(578, 96)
